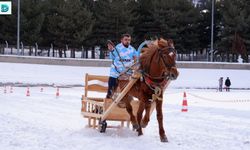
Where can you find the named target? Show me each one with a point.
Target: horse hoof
(143, 124)
(102, 126)
(140, 133)
(135, 126)
(164, 139)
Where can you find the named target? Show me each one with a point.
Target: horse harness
(156, 84)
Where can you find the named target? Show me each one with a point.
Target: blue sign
(5, 7)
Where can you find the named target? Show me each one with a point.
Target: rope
(110, 42)
(221, 101)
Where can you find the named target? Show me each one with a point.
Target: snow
(67, 75)
(215, 120)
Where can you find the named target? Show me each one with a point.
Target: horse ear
(155, 42)
(162, 43)
(170, 42)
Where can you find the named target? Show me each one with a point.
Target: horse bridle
(168, 66)
(170, 49)
(157, 84)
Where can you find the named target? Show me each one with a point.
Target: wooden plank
(94, 102)
(97, 99)
(98, 77)
(89, 114)
(83, 106)
(119, 98)
(128, 124)
(94, 123)
(97, 88)
(89, 121)
(86, 85)
(120, 114)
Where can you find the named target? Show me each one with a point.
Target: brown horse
(157, 67)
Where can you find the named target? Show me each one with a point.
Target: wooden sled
(99, 109)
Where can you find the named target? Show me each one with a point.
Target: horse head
(158, 61)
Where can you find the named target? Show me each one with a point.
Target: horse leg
(139, 116)
(146, 117)
(129, 108)
(159, 114)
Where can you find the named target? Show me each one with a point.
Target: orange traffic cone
(57, 92)
(28, 91)
(184, 103)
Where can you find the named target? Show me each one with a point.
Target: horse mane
(148, 52)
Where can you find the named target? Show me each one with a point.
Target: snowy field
(42, 121)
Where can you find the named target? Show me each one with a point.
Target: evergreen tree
(177, 20)
(69, 23)
(187, 26)
(235, 23)
(51, 7)
(31, 21)
(113, 18)
(246, 34)
(146, 26)
(8, 27)
(166, 17)
(204, 23)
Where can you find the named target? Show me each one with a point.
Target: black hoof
(140, 133)
(164, 139)
(135, 126)
(102, 126)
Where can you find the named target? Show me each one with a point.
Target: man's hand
(110, 47)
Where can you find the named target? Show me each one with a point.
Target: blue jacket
(122, 58)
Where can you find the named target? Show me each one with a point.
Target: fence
(206, 57)
(66, 52)
(97, 53)
(107, 63)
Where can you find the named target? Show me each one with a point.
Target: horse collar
(153, 85)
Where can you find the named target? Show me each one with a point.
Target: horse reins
(145, 71)
(157, 83)
(110, 42)
(153, 82)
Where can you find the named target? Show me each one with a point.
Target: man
(227, 84)
(123, 56)
(220, 84)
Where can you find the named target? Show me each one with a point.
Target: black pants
(112, 84)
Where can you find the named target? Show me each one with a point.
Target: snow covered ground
(67, 75)
(215, 120)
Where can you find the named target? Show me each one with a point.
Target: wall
(106, 63)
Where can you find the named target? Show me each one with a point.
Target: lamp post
(212, 32)
(18, 26)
